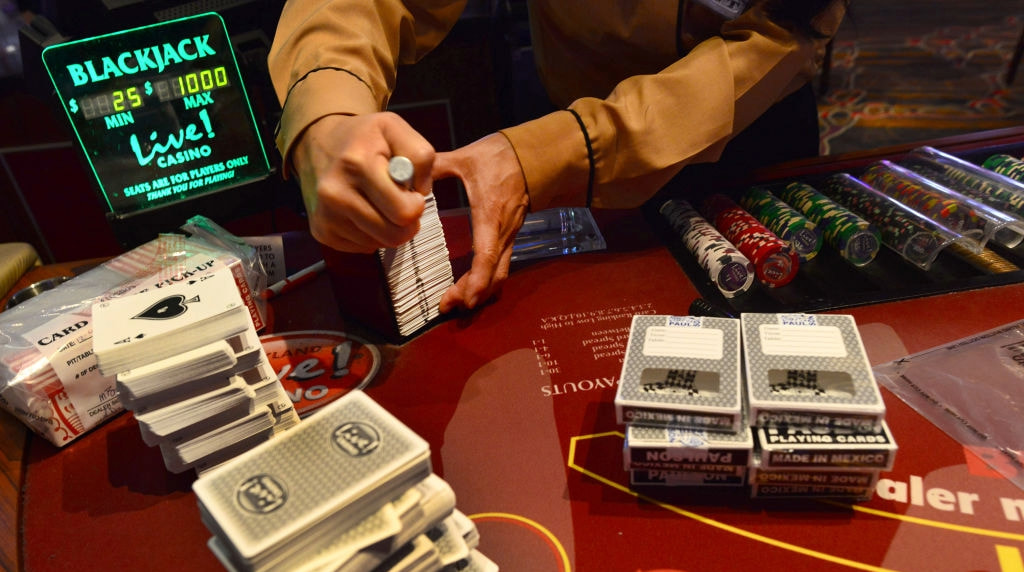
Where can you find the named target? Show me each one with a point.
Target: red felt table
(516, 401)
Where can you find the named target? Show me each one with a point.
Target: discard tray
(827, 281)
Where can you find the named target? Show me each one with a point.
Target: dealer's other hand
(494, 183)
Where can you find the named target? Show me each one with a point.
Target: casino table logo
(318, 366)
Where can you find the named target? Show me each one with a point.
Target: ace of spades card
(159, 323)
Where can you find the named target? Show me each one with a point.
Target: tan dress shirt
(637, 112)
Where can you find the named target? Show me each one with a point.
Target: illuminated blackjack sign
(161, 112)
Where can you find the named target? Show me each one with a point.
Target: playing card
(417, 509)
(187, 419)
(181, 457)
(283, 422)
(450, 544)
(476, 562)
(134, 330)
(419, 555)
(466, 528)
(249, 362)
(335, 468)
(163, 374)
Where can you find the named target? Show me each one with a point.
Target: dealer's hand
(342, 166)
(493, 178)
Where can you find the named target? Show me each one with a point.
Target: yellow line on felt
(709, 521)
(536, 525)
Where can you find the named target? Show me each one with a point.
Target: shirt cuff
(553, 153)
(320, 93)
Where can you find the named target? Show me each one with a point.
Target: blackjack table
(516, 400)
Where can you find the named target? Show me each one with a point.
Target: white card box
(682, 371)
(825, 448)
(809, 369)
(672, 449)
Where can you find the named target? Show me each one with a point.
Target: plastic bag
(49, 377)
(973, 389)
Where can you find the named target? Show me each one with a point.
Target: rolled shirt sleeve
(342, 56)
(618, 151)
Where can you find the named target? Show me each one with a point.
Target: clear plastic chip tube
(998, 191)
(969, 217)
(912, 235)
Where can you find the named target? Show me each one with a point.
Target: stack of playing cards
(49, 378)
(350, 489)
(395, 291)
(680, 396)
(188, 362)
(818, 414)
(418, 273)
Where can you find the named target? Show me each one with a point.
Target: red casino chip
(316, 367)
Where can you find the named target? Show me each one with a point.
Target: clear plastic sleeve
(997, 191)
(973, 389)
(558, 231)
(912, 235)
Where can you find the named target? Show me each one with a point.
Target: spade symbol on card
(167, 308)
(128, 339)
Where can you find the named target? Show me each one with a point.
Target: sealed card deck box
(854, 477)
(809, 369)
(654, 477)
(671, 449)
(820, 447)
(682, 371)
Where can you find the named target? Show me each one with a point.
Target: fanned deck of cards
(812, 421)
(188, 362)
(396, 291)
(418, 273)
(351, 488)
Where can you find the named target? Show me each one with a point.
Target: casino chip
(775, 261)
